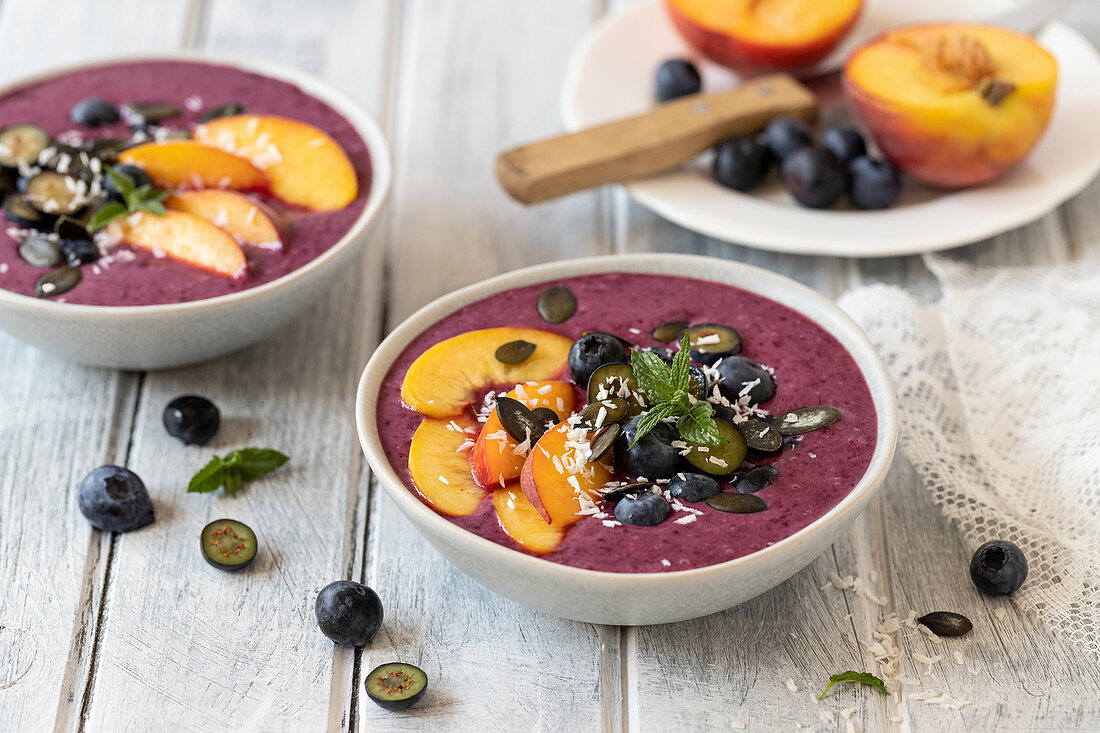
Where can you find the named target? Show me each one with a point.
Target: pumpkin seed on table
(737, 503)
(638, 487)
(668, 332)
(806, 420)
(603, 442)
(759, 434)
(57, 282)
(557, 304)
(946, 623)
(515, 352)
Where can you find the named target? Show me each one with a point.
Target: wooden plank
(476, 77)
(58, 421)
(184, 646)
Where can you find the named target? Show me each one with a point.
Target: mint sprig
(863, 678)
(245, 464)
(668, 391)
(134, 199)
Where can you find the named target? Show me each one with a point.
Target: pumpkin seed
(755, 479)
(69, 228)
(946, 623)
(222, 110)
(668, 332)
(107, 148)
(57, 282)
(40, 252)
(515, 352)
(614, 409)
(806, 420)
(604, 442)
(557, 304)
(760, 435)
(154, 111)
(737, 503)
(545, 417)
(517, 420)
(639, 487)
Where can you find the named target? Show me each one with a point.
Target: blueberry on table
(652, 456)
(114, 499)
(998, 568)
(348, 613)
(742, 377)
(845, 142)
(137, 175)
(875, 184)
(228, 544)
(592, 351)
(94, 112)
(815, 177)
(741, 163)
(677, 78)
(692, 487)
(784, 135)
(643, 510)
(396, 686)
(192, 419)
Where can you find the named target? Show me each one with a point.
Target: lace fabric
(998, 387)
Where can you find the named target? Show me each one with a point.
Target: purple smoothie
(131, 276)
(811, 368)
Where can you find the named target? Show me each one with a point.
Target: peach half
(307, 168)
(182, 237)
(447, 377)
(187, 164)
(440, 469)
(496, 457)
(952, 104)
(756, 36)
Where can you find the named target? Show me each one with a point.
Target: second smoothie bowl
(165, 210)
(630, 439)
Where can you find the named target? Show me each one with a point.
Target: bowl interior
(798, 297)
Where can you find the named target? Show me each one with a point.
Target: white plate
(611, 76)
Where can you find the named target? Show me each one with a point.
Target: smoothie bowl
(631, 439)
(160, 211)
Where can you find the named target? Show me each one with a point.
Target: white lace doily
(998, 388)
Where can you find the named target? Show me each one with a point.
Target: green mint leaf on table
(238, 466)
(667, 389)
(863, 678)
(144, 198)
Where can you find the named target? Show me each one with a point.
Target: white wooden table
(135, 632)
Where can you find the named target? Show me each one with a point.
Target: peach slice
(241, 216)
(448, 376)
(953, 104)
(187, 164)
(183, 237)
(522, 522)
(307, 167)
(754, 36)
(555, 478)
(494, 459)
(440, 469)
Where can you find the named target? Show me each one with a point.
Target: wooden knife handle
(654, 141)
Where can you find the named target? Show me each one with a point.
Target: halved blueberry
(396, 686)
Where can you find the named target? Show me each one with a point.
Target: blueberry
(79, 252)
(692, 486)
(644, 510)
(137, 175)
(592, 351)
(192, 419)
(94, 112)
(741, 163)
(845, 142)
(653, 456)
(737, 373)
(815, 177)
(677, 78)
(785, 135)
(755, 479)
(349, 613)
(875, 184)
(998, 568)
(114, 499)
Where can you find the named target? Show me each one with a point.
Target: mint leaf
(255, 462)
(863, 678)
(106, 215)
(653, 376)
(681, 365)
(153, 207)
(697, 426)
(122, 182)
(208, 478)
(233, 481)
(649, 420)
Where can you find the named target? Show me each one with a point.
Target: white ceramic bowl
(162, 336)
(633, 598)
